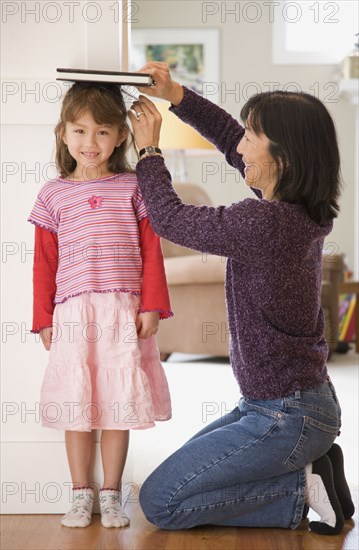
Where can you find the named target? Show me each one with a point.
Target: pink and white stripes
(97, 227)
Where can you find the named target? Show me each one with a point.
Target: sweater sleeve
(44, 278)
(155, 295)
(215, 124)
(222, 230)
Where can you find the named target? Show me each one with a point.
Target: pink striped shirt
(98, 237)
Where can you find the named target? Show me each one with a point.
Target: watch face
(150, 150)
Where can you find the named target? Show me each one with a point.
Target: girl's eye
(103, 132)
(78, 131)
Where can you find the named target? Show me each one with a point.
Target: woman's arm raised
(210, 120)
(223, 231)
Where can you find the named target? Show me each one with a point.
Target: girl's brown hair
(106, 105)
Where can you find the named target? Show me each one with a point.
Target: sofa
(196, 286)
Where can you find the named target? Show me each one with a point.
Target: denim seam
(321, 425)
(235, 501)
(269, 412)
(302, 440)
(302, 483)
(221, 460)
(297, 449)
(314, 408)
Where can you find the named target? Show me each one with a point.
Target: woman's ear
(123, 137)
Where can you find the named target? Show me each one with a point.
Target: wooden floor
(44, 532)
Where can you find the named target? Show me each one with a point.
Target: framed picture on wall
(192, 55)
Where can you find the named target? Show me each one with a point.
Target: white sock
(111, 509)
(81, 509)
(317, 497)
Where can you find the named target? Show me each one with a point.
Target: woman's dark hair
(304, 147)
(106, 105)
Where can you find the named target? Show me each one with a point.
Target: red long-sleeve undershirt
(154, 295)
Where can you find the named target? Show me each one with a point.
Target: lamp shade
(175, 134)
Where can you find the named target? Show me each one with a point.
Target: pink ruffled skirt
(100, 375)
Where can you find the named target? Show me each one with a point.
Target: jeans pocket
(335, 397)
(314, 440)
(259, 421)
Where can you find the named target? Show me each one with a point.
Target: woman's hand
(46, 337)
(164, 87)
(147, 324)
(146, 122)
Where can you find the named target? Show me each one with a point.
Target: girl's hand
(147, 324)
(147, 126)
(46, 337)
(164, 87)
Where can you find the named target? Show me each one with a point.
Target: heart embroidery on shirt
(95, 202)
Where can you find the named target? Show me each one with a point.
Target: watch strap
(149, 150)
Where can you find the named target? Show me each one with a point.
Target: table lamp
(179, 140)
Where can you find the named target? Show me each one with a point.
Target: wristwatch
(150, 150)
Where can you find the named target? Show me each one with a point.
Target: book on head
(109, 77)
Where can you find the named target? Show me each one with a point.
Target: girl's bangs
(92, 101)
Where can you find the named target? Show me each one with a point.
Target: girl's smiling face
(260, 168)
(91, 145)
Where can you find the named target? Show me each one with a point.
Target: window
(313, 32)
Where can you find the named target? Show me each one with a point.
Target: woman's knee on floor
(155, 506)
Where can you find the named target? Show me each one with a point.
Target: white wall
(31, 49)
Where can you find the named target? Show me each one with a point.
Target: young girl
(99, 292)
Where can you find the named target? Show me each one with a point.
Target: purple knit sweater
(274, 251)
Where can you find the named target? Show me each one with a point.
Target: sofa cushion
(195, 269)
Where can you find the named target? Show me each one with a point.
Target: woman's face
(260, 168)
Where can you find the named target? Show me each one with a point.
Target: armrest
(195, 269)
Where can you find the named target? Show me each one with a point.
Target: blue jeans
(246, 468)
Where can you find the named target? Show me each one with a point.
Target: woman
(272, 456)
